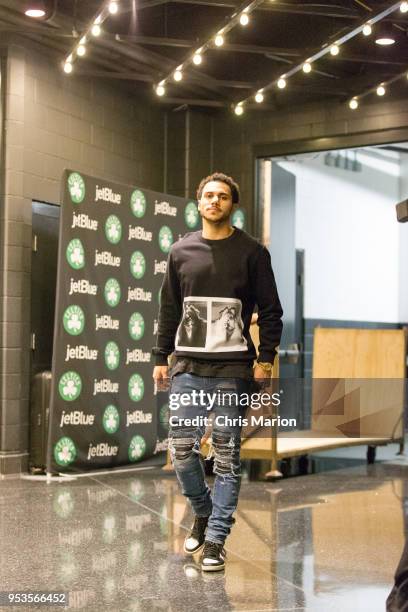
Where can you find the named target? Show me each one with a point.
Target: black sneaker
(213, 557)
(195, 539)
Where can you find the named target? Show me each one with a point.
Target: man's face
(216, 202)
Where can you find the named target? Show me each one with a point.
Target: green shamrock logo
(138, 264)
(76, 187)
(191, 215)
(64, 451)
(75, 254)
(113, 229)
(112, 292)
(238, 218)
(112, 355)
(164, 416)
(110, 419)
(70, 386)
(136, 388)
(137, 448)
(74, 320)
(165, 238)
(138, 203)
(136, 326)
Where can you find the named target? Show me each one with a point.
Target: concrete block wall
(52, 122)
(189, 150)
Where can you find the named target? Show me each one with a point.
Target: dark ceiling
(148, 39)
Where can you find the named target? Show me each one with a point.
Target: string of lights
(240, 17)
(333, 48)
(380, 90)
(110, 7)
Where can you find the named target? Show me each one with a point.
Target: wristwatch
(266, 366)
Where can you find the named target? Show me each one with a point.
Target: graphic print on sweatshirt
(211, 324)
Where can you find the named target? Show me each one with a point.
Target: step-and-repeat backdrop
(113, 248)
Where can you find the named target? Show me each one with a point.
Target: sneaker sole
(193, 552)
(212, 568)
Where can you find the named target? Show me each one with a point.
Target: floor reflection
(321, 542)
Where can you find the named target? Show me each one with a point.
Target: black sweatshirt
(208, 296)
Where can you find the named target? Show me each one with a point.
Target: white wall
(347, 225)
(403, 246)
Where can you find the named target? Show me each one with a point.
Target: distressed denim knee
(226, 447)
(183, 443)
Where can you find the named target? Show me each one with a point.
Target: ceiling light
(96, 30)
(219, 40)
(239, 109)
(81, 50)
(353, 104)
(404, 7)
(367, 29)
(380, 90)
(35, 9)
(334, 50)
(259, 97)
(178, 75)
(98, 20)
(244, 19)
(113, 7)
(197, 59)
(160, 90)
(281, 83)
(385, 36)
(385, 41)
(68, 67)
(307, 67)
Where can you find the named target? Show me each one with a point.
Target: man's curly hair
(220, 176)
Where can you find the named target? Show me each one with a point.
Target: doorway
(44, 261)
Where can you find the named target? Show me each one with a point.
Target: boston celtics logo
(75, 254)
(63, 501)
(136, 489)
(76, 187)
(112, 292)
(74, 320)
(138, 203)
(165, 238)
(136, 326)
(191, 215)
(110, 419)
(238, 218)
(113, 229)
(112, 355)
(135, 555)
(109, 529)
(137, 448)
(70, 386)
(64, 451)
(164, 416)
(136, 387)
(138, 264)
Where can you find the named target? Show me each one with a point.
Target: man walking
(214, 279)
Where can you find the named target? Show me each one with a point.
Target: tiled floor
(323, 542)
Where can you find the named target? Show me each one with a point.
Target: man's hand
(161, 377)
(259, 373)
(264, 378)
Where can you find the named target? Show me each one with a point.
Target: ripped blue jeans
(184, 443)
